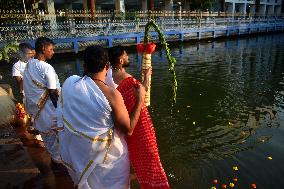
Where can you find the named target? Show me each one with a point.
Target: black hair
(23, 46)
(42, 42)
(95, 58)
(114, 53)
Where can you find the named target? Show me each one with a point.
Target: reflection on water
(229, 110)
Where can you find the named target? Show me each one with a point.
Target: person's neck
(98, 76)
(118, 69)
(25, 61)
(40, 57)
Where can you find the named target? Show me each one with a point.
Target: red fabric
(142, 145)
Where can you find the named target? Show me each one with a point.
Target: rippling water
(229, 111)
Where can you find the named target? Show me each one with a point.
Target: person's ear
(43, 49)
(107, 66)
(120, 61)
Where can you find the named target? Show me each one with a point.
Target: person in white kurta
(95, 121)
(39, 82)
(26, 53)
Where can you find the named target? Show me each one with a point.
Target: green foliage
(130, 15)
(9, 51)
(10, 4)
(202, 5)
(171, 60)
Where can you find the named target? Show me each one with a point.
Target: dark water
(229, 111)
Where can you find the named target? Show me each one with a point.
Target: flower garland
(171, 60)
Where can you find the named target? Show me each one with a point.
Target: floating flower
(224, 186)
(253, 186)
(194, 123)
(269, 158)
(213, 187)
(235, 179)
(232, 185)
(235, 168)
(215, 181)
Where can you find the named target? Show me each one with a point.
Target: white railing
(23, 30)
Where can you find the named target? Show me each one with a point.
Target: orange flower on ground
(21, 113)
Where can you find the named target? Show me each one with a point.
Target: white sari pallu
(93, 151)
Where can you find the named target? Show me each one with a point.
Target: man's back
(89, 130)
(81, 98)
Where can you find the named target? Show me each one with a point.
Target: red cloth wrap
(142, 145)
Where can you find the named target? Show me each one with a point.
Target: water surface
(229, 110)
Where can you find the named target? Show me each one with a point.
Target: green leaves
(9, 51)
(171, 60)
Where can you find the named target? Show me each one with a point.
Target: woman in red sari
(142, 145)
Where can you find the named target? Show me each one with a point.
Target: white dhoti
(94, 152)
(38, 77)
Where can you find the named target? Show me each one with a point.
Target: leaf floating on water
(235, 168)
(269, 158)
(263, 138)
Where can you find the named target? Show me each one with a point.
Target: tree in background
(202, 5)
(222, 3)
(10, 4)
(257, 6)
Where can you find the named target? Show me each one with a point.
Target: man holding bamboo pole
(142, 146)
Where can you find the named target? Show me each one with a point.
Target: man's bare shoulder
(111, 92)
(113, 96)
(127, 75)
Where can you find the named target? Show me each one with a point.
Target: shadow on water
(229, 110)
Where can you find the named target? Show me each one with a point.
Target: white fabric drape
(95, 153)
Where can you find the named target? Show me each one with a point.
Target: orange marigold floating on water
(232, 185)
(215, 181)
(253, 186)
(235, 179)
(224, 186)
